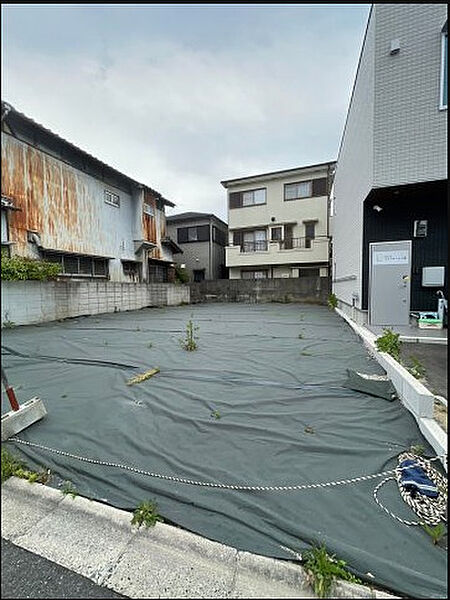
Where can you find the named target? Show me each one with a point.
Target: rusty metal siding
(154, 227)
(66, 208)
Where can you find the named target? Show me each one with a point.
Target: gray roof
(188, 216)
(225, 182)
(9, 111)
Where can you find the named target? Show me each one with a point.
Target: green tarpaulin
(261, 402)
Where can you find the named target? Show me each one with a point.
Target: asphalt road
(27, 575)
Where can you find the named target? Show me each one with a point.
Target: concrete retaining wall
(413, 394)
(303, 289)
(27, 302)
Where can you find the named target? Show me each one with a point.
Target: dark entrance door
(199, 274)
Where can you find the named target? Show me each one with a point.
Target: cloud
(181, 117)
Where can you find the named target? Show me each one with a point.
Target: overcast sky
(182, 96)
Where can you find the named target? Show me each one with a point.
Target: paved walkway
(97, 542)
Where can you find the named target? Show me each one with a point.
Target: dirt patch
(440, 414)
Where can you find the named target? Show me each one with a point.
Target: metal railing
(303, 242)
(286, 244)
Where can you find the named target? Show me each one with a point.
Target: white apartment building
(278, 223)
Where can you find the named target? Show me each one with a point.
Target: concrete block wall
(27, 302)
(302, 289)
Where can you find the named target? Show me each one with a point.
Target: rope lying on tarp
(430, 511)
(247, 488)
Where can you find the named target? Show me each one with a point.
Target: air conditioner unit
(420, 228)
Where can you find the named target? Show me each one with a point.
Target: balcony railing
(259, 246)
(303, 242)
(286, 244)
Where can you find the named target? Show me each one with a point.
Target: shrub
(20, 268)
(181, 275)
(390, 343)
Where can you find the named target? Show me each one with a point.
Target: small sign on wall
(391, 257)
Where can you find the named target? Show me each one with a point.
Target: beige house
(278, 223)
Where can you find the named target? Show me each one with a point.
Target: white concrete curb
(98, 542)
(413, 394)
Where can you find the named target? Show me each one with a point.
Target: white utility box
(433, 276)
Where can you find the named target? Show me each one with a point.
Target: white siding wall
(353, 178)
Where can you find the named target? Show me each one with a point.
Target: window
(310, 233)
(293, 191)
(253, 197)
(254, 241)
(192, 234)
(260, 274)
(219, 236)
(276, 234)
(247, 198)
(444, 64)
(158, 273)
(305, 189)
(72, 264)
(132, 270)
(311, 272)
(199, 233)
(112, 198)
(148, 209)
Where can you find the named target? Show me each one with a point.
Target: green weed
(417, 449)
(146, 514)
(332, 301)
(69, 489)
(390, 343)
(12, 466)
(189, 342)
(417, 369)
(436, 533)
(323, 569)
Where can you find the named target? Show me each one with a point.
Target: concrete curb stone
(98, 541)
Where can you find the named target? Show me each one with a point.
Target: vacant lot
(259, 403)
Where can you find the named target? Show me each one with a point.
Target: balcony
(266, 252)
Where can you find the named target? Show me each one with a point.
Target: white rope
(428, 510)
(240, 487)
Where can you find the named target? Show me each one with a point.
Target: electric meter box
(433, 276)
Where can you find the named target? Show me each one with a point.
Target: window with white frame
(444, 78)
(112, 198)
(254, 197)
(301, 189)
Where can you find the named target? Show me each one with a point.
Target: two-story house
(389, 201)
(278, 223)
(61, 204)
(202, 237)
